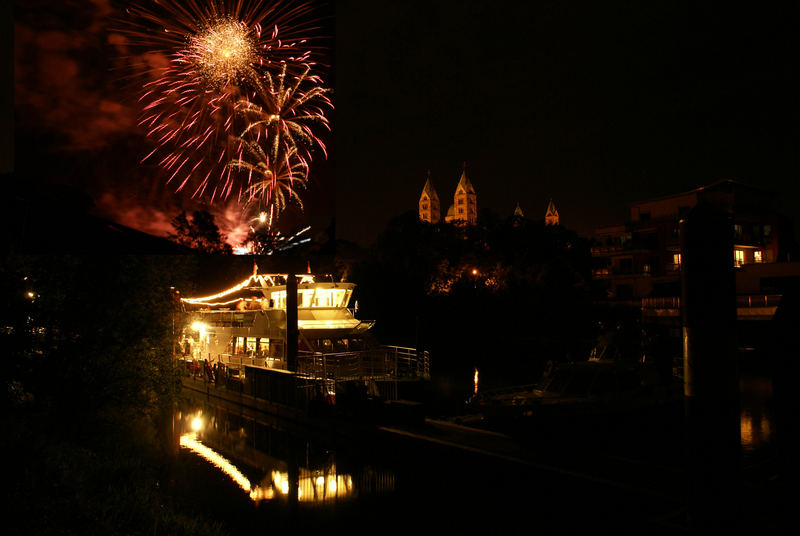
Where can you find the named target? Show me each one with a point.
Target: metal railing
(239, 360)
(386, 362)
(745, 301)
(672, 302)
(758, 300)
(409, 362)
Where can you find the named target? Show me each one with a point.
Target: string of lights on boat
(254, 282)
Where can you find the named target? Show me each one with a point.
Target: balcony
(748, 307)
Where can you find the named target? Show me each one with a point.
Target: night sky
(595, 104)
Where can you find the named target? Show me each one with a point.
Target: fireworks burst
(222, 53)
(272, 182)
(288, 113)
(219, 54)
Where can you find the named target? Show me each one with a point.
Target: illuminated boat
(246, 328)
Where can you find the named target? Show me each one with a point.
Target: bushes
(88, 378)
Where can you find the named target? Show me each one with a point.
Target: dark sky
(595, 104)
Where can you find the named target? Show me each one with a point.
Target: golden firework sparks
(223, 52)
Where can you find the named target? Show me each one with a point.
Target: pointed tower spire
(464, 182)
(518, 212)
(465, 201)
(551, 216)
(429, 203)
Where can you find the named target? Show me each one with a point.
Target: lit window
(676, 259)
(757, 256)
(425, 206)
(738, 257)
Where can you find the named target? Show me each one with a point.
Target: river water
(257, 477)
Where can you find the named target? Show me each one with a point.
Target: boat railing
(409, 362)
(240, 360)
(387, 362)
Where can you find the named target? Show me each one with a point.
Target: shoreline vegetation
(89, 381)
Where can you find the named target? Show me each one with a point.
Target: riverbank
(65, 478)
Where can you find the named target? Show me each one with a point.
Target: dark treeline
(89, 381)
(506, 295)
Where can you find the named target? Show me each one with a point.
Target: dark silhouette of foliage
(506, 295)
(199, 233)
(90, 385)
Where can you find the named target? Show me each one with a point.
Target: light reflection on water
(755, 419)
(318, 483)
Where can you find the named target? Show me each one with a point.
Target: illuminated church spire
(429, 203)
(465, 205)
(551, 216)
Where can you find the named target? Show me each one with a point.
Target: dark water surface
(618, 474)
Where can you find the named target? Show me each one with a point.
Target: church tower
(465, 202)
(429, 203)
(551, 216)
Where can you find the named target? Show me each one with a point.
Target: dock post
(292, 335)
(711, 379)
(291, 322)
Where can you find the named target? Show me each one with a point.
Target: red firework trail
(219, 57)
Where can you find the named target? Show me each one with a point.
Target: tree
(505, 295)
(90, 384)
(200, 233)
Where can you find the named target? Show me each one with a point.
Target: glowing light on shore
(197, 424)
(475, 381)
